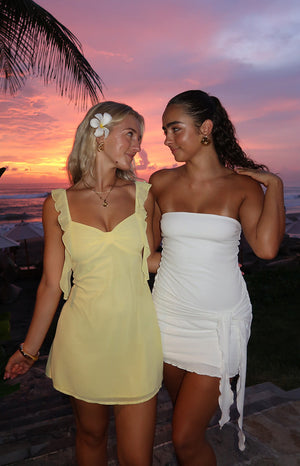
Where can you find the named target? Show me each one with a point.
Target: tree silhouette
(33, 42)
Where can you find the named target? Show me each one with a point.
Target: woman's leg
(173, 377)
(135, 427)
(196, 402)
(91, 436)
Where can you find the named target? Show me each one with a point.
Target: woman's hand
(262, 176)
(17, 365)
(154, 261)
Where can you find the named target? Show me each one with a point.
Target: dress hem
(181, 366)
(127, 401)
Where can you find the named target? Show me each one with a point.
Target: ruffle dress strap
(142, 189)
(61, 206)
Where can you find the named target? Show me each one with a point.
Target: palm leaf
(2, 170)
(33, 42)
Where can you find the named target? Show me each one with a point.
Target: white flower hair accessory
(99, 122)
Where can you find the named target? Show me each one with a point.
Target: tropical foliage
(5, 388)
(33, 42)
(2, 170)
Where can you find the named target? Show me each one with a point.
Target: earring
(205, 141)
(100, 147)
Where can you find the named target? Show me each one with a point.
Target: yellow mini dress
(107, 346)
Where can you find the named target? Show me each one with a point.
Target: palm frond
(2, 170)
(33, 42)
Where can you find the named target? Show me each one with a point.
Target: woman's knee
(91, 436)
(186, 439)
(179, 439)
(91, 422)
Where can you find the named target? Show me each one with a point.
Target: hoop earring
(205, 141)
(100, 147)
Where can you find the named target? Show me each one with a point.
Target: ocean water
(25, 202)
(292, 199)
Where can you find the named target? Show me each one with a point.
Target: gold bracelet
(28, 355)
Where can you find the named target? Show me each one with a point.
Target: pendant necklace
(104, 199)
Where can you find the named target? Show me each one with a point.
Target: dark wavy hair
(200, 106)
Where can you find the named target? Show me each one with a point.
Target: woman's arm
(48, 293)
(262, 215)
(156, 182)
(156, 226)
(154, 258)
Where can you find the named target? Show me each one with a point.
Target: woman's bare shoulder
(246, 184)
(49, 205)
(50, 214)
(163, 176)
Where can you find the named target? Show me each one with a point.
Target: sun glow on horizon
(257, 84)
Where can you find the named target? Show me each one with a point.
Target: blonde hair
(81, 161)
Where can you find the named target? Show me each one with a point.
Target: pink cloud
(148, 52)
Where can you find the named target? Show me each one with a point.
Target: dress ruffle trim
(60, 199)
(226, 397)
(61, 206)
(141, 195)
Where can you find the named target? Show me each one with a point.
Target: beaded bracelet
(28, 355)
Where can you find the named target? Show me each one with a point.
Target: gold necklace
(105, 203)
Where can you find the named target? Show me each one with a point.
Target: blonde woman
(107, 348)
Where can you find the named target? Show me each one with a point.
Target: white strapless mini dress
(203, 307)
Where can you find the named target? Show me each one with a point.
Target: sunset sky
(244, 52)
